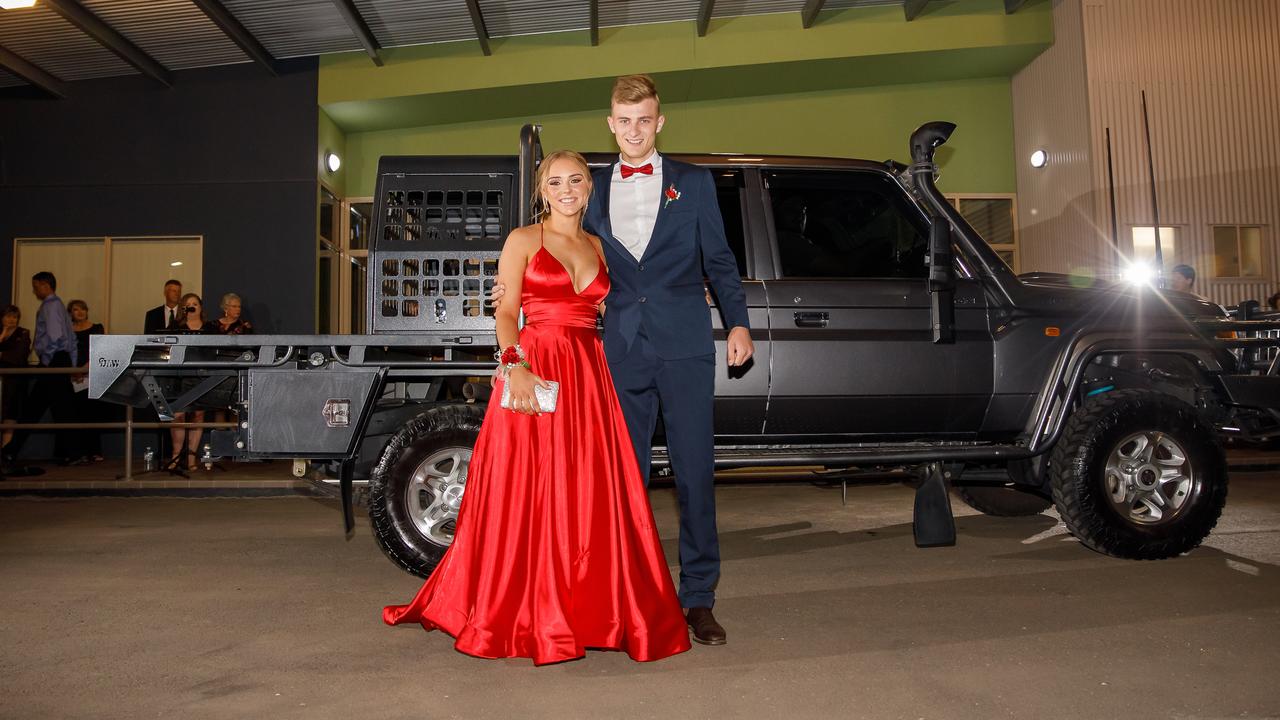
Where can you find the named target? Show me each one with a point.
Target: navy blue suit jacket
(663, 291)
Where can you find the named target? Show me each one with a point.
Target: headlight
(1138, 274)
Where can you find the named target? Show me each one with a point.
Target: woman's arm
(511, 266)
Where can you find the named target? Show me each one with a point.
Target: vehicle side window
(845, 224)
(729, 190)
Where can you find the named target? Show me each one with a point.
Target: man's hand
(496, 294)
(739, 347)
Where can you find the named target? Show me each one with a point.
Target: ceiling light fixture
(1039, 158)
(176, 263)
(332, 161)
(16, 4)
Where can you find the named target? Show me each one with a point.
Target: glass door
(358, 216)
(329, 264)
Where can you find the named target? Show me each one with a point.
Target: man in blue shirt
(55, 345)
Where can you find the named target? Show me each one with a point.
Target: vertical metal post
(1155, 206)
(128, 442)
(1111, 191)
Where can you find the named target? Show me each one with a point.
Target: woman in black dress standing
(88, 445)
(192, 321)
(15, 347)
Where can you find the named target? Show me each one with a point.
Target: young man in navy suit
(660, 224)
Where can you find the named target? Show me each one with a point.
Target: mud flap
(933, 525)
(346, 470)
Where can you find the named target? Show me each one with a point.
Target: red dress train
(555, 549)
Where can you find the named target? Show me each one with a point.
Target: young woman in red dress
(556, 549)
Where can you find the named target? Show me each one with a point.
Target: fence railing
(129, 425)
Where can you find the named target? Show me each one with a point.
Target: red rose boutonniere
(671, 194)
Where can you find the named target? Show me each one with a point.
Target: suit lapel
(669, 179)
(604, 185)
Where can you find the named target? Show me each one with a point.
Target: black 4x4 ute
(888, 335)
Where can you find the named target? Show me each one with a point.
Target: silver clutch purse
(546, 396)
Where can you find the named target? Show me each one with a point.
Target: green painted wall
(868, 122)
(853, 85)
(761, 41)
(332, 138)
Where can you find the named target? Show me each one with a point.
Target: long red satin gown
(555, 549)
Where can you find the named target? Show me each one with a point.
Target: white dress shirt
(633, 205)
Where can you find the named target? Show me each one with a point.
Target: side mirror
(942, 282)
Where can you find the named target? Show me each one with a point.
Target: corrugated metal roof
(42, 37)
(503, 18)
(614, 13)
(735, 8)
(179, 35)
(174, 32)
(8, 80)
(842, 4)
(295, 28)
(414, 22)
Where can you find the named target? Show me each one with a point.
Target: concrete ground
(259, 607)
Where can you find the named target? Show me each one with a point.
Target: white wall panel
(1211, 72)
(1056, 203)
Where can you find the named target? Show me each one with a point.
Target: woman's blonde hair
(540, 206)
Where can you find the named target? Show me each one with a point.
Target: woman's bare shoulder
(522, 240)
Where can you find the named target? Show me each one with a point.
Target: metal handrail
(128, 425)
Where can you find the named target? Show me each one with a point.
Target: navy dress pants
(684, 391)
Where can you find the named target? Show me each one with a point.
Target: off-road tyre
(1021, 498)
(438, 429)
(1095, 432)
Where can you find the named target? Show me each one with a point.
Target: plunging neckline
(565, 270)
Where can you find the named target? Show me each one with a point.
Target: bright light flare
(1138, 274)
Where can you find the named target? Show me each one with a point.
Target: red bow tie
(628, 171)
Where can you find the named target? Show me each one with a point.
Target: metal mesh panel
(434, 252)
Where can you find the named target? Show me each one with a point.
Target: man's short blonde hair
(631, 89)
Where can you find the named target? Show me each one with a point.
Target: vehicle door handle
(812, 319)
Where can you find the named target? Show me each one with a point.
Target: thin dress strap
(542, 234)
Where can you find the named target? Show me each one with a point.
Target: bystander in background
(87, 446)
(55, 346)
(15, 349)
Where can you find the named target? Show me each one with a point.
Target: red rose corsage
(671, 194)
(510, 358)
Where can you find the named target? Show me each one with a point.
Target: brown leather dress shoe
(704, 626)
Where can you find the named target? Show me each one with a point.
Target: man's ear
(662, 120)
(608, 119)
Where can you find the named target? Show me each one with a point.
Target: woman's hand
(496, 294)
(523, 399)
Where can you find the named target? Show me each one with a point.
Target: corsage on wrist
(510, 358)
